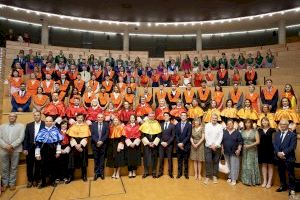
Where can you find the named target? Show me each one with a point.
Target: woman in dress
(133, 148)
(254, 98)
(39, 100)
(270, 60)
(259, 60)
(285, 112)
(266, 113)
(197, 148)
(206, 63)
(250, 174)
(213, 109)
(229, 112)
(186, 63)
(219, 96)
(266, 151)
(232, 62)
(290, 94)
(115, 151)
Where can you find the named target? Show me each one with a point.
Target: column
(45, 33)
(281, 32)
(126, 40)
(199, 40)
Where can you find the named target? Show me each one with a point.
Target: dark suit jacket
(95, 134)
(28, 142)
(168, 135)
(287, 146)
(184, 136)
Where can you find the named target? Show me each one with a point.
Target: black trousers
(63, 163)
(183, 157)
(284, 166)
(150, 159)
(33, 168)
(99, 159)
(165, 151)
(49, 164)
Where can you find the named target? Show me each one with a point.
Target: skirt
(114, 158)
(133, 155)
(197, 154)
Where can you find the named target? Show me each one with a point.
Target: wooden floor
(163, 188)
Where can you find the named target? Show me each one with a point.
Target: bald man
(11, 137)
(285, 143)
(99, 131)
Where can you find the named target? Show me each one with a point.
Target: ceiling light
(149, 24)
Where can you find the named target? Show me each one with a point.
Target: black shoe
(179, 175)
(84, 179)
(54, 184)
(95, 177)
(145, 175)
(281, 189)
(159, 175)
(154, 176)
(171, 176)
(29, 185)
(102, 177)
(186, 176)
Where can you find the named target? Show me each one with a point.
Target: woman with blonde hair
(197, 149)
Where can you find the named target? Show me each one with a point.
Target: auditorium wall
(155, 45)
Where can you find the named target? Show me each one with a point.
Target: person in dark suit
(33, 165)
(285, 143)
(166, 145)
(99, 131)
(183, 132)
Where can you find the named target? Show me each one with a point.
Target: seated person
(93, 111)
(55, 108)
(73, 111)
(177, 110)
(161, 109)
(194, 111)
(39, 100)
(213, 109)
(21, 100)
(47, 85)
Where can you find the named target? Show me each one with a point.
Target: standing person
(266, 151)
(47, 150)
(269, 95)
(99, 132)
(197, 149)
(32, 165)
(250, 174)
(11, 137)
(151, 130)
(79, 133)
(285, 143)
(232, 145)
(63, 160)
(183, 132)
(115, 149)
(166, 145)
(213, 138)
(133, 150)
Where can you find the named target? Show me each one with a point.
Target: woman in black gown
(266, 151)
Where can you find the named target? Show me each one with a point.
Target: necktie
(166, 125)
(182, 126)
(100, 130)
(281, 137)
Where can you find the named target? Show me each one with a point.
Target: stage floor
(163, 188)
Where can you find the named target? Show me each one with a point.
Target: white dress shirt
(213, 134)
(36, 128)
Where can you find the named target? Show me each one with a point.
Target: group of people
(83, 101)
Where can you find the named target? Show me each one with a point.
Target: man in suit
(285, 143)
(183, 132)
(99, 131)
(166, 145)
(33, 165)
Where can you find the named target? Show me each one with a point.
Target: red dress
(124, 115)
(92, 113)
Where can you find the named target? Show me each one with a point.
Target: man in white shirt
(11, 137)
(213, 139)
(85, 75)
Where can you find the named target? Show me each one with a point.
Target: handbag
(223, 168)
